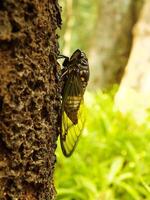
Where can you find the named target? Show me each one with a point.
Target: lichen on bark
(29, 98)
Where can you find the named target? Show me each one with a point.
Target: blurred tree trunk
(134, 91)
(68, 30)
(29, 101)
(112, 41)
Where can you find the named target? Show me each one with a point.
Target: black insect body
(75, 76)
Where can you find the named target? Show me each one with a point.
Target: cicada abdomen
(75, 76)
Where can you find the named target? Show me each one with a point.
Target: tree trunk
(29, 98)
(134, 92)
(68, 30)
(112, 41)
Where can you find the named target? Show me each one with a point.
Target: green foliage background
(112, 159)
(84, 23)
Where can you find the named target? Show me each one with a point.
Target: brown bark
(29, 98)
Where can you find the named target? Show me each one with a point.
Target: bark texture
(134, 91)
(29, 98)
(112, 41)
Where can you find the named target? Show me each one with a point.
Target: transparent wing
(71, 132)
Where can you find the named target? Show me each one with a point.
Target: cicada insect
(74, 78)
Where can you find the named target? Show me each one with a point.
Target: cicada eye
(82, 54)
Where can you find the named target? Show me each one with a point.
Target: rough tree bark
(29, 98)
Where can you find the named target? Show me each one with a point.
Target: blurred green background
(112, 158)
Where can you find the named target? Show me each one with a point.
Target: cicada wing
(70, 132)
